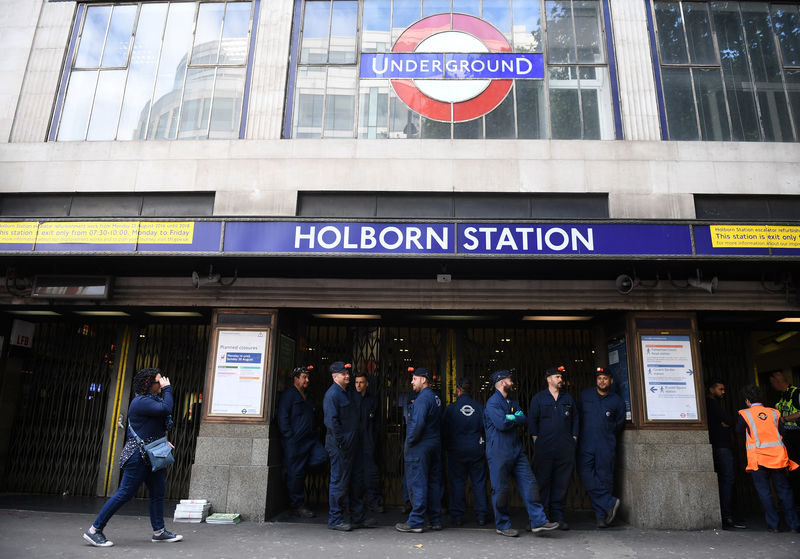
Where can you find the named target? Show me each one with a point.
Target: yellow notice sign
(88, 232)
(755, 236)
(166, 232)
(18, 232)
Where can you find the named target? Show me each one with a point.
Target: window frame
(78, 25)
(659, 66)
(608, 65)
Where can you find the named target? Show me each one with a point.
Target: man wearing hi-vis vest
(767, 458)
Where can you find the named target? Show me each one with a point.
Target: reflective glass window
(727, 69)
(569, 34)
(155, 70)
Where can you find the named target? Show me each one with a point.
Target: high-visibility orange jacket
(763, 442)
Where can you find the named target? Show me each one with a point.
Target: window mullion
(155, 75)
(131, 43)
(577, 64)
(715, 40)
(750, 73)
(357, 92)
(546, 81)
(779, 52)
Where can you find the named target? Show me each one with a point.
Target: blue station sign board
(390, 238)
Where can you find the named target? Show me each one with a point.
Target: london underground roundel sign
(452, 67)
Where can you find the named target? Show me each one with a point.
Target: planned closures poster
(669, 378)
(239, 373)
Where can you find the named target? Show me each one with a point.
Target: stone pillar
(231, 468)
(637, 87)
(667, 480)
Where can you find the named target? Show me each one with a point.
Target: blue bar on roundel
(493, 66)
(402, 65)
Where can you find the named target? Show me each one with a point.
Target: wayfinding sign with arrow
(669, 378)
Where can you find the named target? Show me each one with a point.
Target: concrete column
(666, 480)
(270, 63)
(231, 468)
(637, 89)
(45, 50)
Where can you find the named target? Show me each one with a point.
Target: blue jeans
(501, 469)
(783, 490)
(723, 465)
(134, 473)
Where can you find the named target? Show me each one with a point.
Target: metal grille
(57, 436)
(180, 351)
(725, 357)
(385, 353)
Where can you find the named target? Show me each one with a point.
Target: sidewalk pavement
(50, 532)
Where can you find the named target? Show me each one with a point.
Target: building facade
(459, 184)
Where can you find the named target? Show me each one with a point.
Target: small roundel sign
(452, 67)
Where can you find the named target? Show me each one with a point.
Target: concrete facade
(645, 178)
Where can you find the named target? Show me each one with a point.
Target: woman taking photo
(149, 417)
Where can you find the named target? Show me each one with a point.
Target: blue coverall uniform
(602, 418)
(463, 438)
(506, 459)
(369, 422)
(301, 449)
(342, 410)
(423, 459)
(554, 423)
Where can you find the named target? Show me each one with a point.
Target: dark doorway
(386, 351)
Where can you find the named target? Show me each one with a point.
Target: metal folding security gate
(180, 351)
(57, 437)
(385, 352)
(724, 355)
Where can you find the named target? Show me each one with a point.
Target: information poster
(618, 367)
(669, 378)
(239, 373)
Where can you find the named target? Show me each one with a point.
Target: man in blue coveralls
(301, 448)
(553, 423)
(463, 438)
(369, 426)
(343, 442)
(502, 417)
(602, 416)
(423, 455)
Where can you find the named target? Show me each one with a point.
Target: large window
(156, 71)
(328, 99)
(729, 70)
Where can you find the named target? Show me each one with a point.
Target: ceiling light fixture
(35, 313)
(348, 316)
(557, 318)
(174, 314)
(102, 313)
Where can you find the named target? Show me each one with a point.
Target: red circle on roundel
(434, 109)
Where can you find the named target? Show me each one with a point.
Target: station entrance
(736, 354)
(385, 352)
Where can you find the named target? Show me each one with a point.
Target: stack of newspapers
(192, 510)
(224, 518)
